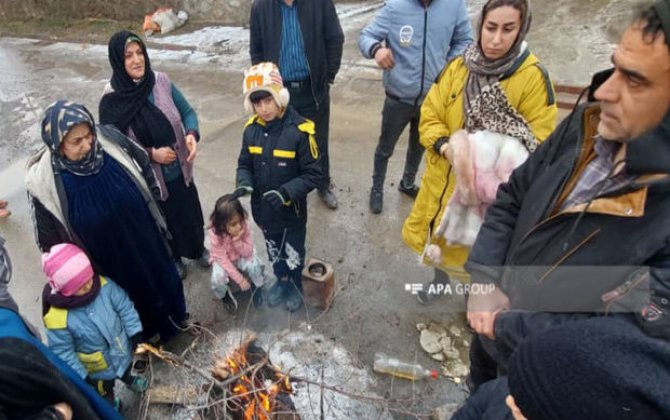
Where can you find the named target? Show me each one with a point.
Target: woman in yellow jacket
(496, 85)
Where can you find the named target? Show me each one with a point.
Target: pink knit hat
(67, 267)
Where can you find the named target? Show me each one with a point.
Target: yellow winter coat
(529, 91)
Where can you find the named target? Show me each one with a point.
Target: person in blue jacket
(35, 383)
(412, 40)
(91, 322)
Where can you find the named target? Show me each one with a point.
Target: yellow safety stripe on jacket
(56, 318)
(255, 150)
(309, 128)
(288, 154)
(93, 362)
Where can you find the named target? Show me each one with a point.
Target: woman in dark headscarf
(92, 186)
(147, 107)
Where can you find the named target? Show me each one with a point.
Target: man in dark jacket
(304, 38)
(582, 227)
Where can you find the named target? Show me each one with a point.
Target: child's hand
(245, 285)
(276, 199)
(242, 191)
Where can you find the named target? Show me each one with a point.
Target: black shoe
(328, 197)
(181, 268)
(376, 201)
(257, 296)
(229, 303)
(426, 298)
(293, 298)
(277, 293)
(411, 190)
(203, 261)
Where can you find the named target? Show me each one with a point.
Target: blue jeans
(395, 117)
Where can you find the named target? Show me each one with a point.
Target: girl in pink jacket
(233, 255)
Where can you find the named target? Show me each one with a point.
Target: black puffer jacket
(624, 235)
(281, 155)
(321, 33)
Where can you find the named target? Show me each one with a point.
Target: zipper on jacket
(444, 191)
(423, 55)
(569, 254)
(620, 292)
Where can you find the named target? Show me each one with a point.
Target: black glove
(242, 191)
(276, 198)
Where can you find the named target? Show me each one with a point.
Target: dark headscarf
(59, 118)
(128, 106)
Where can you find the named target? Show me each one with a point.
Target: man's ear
(596, 81)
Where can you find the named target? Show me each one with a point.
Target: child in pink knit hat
(91, 323)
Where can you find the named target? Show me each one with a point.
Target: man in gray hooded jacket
(412, 40)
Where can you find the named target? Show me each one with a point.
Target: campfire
(258, 390)
(245, 385)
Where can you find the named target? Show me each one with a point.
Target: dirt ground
(372, 310)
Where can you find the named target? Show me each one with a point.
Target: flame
(256, 398)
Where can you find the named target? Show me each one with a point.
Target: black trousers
(303, 101)
(286, 252)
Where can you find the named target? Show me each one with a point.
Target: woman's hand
(192, 147)
(447, 152)
(163, 155)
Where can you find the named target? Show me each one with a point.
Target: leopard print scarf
(486, 105)
(491, 111)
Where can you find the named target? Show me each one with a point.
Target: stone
(421, 326)
(430, 341)
(445, 343)
(437, 329)
(455, 331)
(438, 356)
(459, 370)
(452, 354)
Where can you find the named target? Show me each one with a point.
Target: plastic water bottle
(395, 367)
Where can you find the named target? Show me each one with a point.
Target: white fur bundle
(481, 162)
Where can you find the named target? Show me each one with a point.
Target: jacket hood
(650, 153)
(524, 60)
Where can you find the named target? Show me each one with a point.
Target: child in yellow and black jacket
(278, 165)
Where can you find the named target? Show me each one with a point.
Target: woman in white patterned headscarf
(92, 186)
